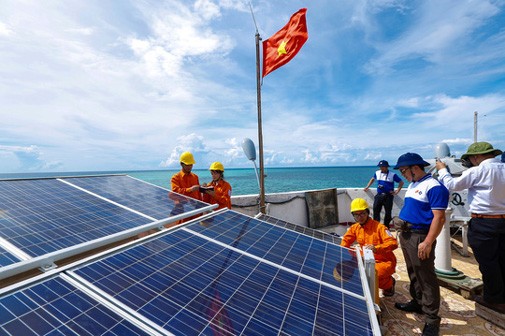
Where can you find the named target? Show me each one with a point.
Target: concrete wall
(292, 207)
(289, 206)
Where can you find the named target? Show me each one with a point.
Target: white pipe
(443, 248)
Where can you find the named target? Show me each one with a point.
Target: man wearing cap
(186, 182)
(422, 218)
(385, 191)
(485, 181)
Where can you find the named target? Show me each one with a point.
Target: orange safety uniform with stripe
(376, 234)
(222, 189)
(182, 182)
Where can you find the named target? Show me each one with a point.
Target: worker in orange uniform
(372, 235)
(185, 182)
(218, 191)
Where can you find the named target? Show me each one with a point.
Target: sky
(129, 85)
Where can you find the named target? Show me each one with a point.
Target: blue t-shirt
(386, 181)
(421, 197)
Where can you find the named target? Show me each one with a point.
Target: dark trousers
(487, 239)
(424, 287)
(386, 201)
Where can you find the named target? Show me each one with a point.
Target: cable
(270, 202)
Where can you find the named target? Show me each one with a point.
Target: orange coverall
(376, 234)
(181, 182)
(223, 194)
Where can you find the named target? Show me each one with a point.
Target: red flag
(281, 47)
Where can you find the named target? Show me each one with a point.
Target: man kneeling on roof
(372, 235)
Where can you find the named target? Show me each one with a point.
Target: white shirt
(485, 184)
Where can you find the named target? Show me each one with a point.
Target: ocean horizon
(243, 180)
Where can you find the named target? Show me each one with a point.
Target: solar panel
(6, 258)
(46, 215)
(283, 247)
(55, 307)
(232, 274)
(146, 198)
(302, 229)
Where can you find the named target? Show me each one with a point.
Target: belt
(417, 231)
(474, 215)
(410, 229)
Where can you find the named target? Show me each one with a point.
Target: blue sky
(122, 85)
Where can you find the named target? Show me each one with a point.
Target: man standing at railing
(485, 182)
(420, 221)
(385, 191)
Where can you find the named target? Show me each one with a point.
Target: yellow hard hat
(187, 158)
(216, 166)
(358, 204)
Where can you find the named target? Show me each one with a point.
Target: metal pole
(475, 126)
(260, 133)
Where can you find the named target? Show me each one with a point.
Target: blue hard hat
(410, 159)
(383, 163)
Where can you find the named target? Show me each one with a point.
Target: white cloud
(207, 9)
(93, 91)
(187, 143)
(438, 28)
(29, 158)
(5, 30)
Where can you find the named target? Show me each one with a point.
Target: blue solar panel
(55, 307)
(46, 215)
(232, 274)
(333, 238)
(300, 253)
(137, 195)
(6, 258)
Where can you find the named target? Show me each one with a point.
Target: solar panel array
(227, 274)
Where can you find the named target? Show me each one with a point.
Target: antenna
(254, 19)
(475, 126)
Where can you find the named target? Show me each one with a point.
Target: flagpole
(260, 133)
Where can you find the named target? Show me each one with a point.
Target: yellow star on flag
(282, 48)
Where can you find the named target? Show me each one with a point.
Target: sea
(244, 180)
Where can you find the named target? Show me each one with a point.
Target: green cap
(480, 148)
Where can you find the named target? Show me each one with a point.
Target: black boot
(411, 307)
(431, 329)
